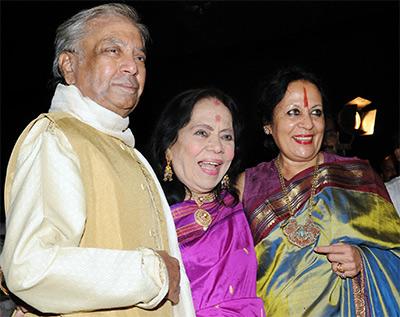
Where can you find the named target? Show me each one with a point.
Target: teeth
(208, 164)
(303, 138)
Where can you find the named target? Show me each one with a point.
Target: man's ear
(66, 63)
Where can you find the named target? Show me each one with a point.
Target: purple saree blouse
(220, 262)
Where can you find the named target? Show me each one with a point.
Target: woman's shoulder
(259, 176)
(260, 169)
(335, 158)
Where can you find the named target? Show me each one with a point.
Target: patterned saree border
(361, 301)
(273, 210)
(186, 227)
(360, 298)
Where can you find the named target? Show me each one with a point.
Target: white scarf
(69, 99)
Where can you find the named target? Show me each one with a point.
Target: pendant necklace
(202, 216)
(301, 235)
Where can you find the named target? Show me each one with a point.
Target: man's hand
(173, 275)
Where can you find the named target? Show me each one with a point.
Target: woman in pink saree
(195, 153)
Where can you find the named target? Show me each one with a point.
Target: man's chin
(129, 99)
(128, 109)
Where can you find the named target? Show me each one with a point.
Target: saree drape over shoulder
(353, 207)
(220, 262)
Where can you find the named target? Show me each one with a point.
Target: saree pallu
(220, 261)
(352, 207)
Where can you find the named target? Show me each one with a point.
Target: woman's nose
(215, 145)
(307, 122)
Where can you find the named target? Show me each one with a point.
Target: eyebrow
(298, 105)
(117, 41)
(204, 125)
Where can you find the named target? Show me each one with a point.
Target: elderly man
(84, 210)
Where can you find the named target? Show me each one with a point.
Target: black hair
(174, 117)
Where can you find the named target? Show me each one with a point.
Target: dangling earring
(168, 172)
(225, 182)
(267, 131)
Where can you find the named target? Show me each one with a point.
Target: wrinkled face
(109, 67)
(298, 122)
(205, 147)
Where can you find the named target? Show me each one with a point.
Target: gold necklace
(202, 216)
(301, 235)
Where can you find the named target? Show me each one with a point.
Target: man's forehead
(114, 29)
(108, 24)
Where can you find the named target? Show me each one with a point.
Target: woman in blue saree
(312, 213)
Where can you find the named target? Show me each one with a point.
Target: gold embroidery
(357, 173)
(358, 293)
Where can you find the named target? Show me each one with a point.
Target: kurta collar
(69, 99)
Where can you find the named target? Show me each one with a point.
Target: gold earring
(168, 172)
(225, 182)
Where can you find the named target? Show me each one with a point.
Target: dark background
(352, 46)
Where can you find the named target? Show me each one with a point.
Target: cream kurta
(48, 259)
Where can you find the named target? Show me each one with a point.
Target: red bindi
(305, 97)
(218, 118)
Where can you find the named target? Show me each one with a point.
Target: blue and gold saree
(353, 207)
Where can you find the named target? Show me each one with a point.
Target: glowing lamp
(354, 118)
(365, 122)
(359, 102)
